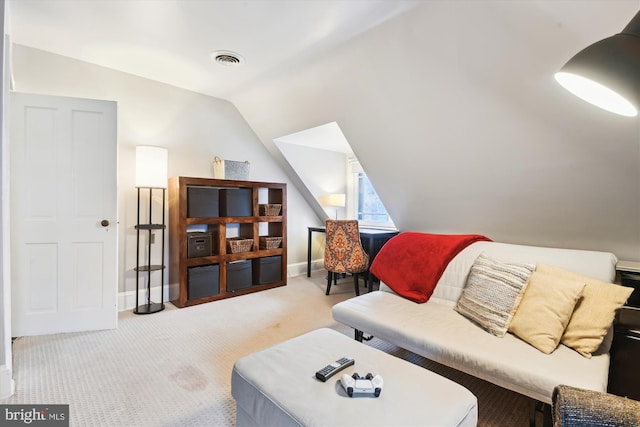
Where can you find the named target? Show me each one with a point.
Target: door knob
(104, 223)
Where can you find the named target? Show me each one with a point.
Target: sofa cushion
(439, 333)
(594, 313)
(545, 310)
(493, 292)
(600, 265)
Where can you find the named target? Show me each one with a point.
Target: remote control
(332, 369)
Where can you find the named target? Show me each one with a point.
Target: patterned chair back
(343, 251)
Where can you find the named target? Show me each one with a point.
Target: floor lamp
(151, 174)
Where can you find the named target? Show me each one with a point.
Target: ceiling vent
(229, 59)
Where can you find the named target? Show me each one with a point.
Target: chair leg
(356, 284)
(329, 278)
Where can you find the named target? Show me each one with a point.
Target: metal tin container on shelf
(199, 245)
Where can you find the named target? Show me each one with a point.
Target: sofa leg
(544, 409)
(359, 336)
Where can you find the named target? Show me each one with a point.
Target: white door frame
(7, 384)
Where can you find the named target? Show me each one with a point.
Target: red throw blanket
(411, 263)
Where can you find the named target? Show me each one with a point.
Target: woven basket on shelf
(270, 209)
(237, 244)
(267, 242)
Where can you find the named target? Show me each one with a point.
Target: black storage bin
(267, 270)
(202, 202)
(198, 245)
(235, 202)
(238, 275)
(632, 280)
(203, 281)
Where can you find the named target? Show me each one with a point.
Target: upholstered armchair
(586, 408)
(343, 252)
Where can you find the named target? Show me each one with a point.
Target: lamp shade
(607, 73)
(151, 166)
(336, 200)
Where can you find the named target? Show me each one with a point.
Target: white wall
(322, 171)
(453, 112)
(195, 128)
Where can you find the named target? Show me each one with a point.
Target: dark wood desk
(372, 241)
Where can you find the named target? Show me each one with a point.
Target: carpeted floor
(173, 368)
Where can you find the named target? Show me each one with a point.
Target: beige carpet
(173, 368)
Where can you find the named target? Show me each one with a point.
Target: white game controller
(357, 385)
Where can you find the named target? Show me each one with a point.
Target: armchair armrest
(578, 407)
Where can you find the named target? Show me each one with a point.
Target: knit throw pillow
(493, 292)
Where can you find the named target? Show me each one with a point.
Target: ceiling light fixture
(227, 58)
(607, 73)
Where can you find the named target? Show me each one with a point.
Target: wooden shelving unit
(213, 199)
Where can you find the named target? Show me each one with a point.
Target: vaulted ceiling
(450, 106)
(171, 40)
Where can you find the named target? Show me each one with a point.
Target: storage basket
(270, 242)
(230, 169)
(237, 244)
(270, 209)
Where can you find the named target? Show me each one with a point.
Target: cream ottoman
(277, 387)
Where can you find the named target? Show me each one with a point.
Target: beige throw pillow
(594, 313)
(545, 310)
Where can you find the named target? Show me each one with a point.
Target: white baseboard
(7, 384)
(301, 267)
(127, 300)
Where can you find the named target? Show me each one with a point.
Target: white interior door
(63, 214)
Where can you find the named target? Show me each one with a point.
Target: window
(370, 208)
(365, 204)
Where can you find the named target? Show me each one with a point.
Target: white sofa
(436, 331)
